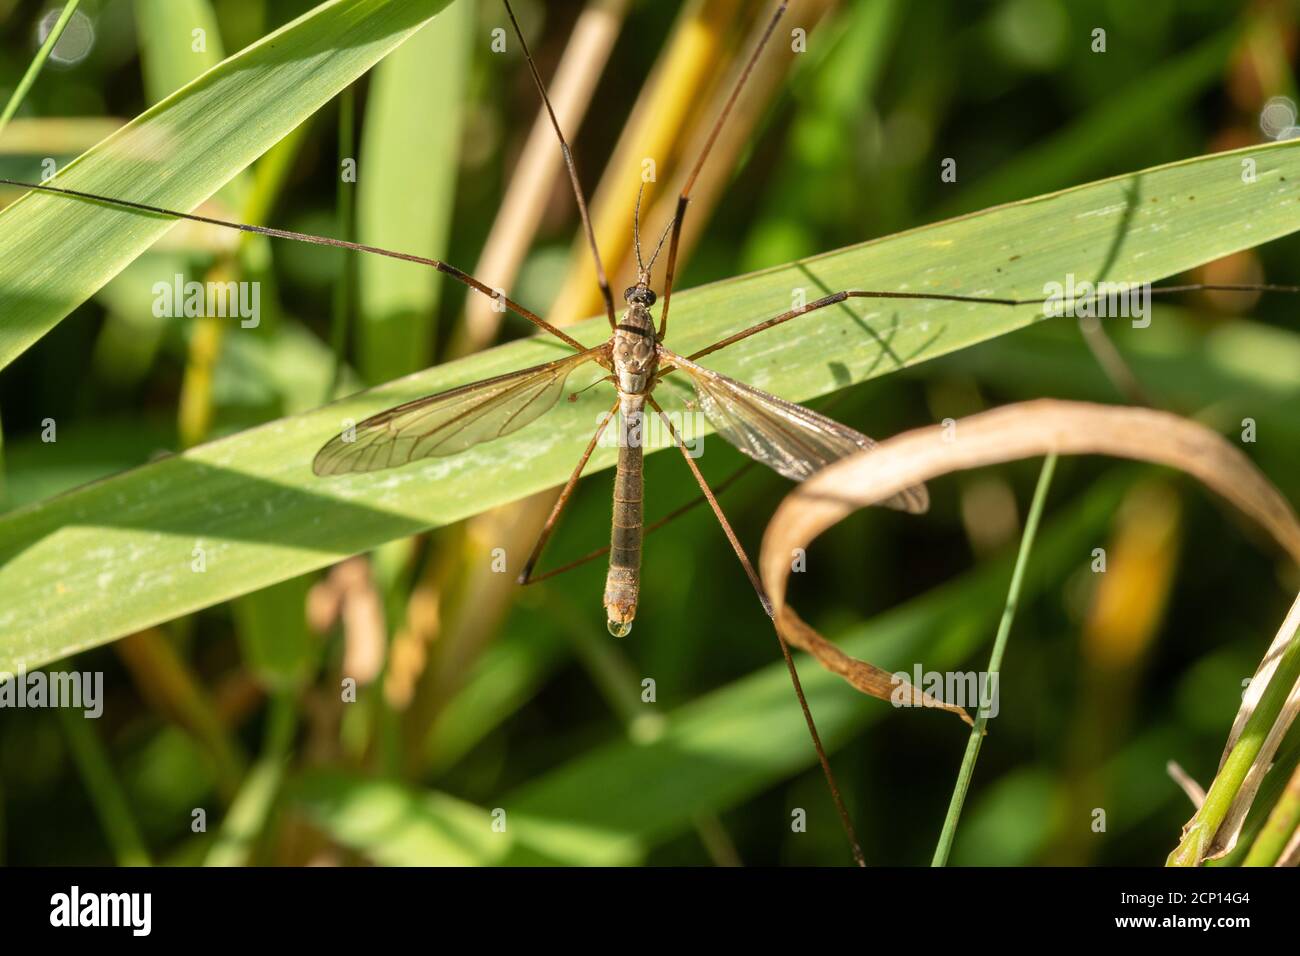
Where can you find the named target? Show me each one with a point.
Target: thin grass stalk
(106, 794)
(345, 285)
(976, 739)
(249, 813)
(164, 679)
(34, 68)
(609, 667)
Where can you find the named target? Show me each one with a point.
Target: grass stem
(944, 847)
(346, 207)
(1198, 835)
(34, 68)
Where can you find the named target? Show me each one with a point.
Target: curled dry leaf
(1024, 430)
(865, 676)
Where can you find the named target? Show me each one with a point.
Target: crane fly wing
(450, 421)
(792, 440)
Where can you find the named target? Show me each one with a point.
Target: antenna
(641, 270)
(683, 200)
(573, 171)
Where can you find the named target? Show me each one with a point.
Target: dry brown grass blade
(1024, 430)
(1186, 782)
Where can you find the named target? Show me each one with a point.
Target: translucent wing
(790, 439)
(449, 422)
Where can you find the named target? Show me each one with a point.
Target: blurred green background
(474, 696)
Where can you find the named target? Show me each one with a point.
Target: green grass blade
(511, 670)
(55, 252)
(82, 454)
(274, 639)
(406, 188)
(394, 825)
(119, 555)
(171, 54)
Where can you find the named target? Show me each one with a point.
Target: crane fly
(793, 440)
(790, 439)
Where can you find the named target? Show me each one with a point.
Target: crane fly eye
(640, 295)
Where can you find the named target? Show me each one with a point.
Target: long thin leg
(835, 299)
(1224, 287)
(569, 165)
(838, 297)
(444, 268)
(785, 648)
(684, 198)
(525, 576)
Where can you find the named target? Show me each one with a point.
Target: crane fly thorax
(634, 352)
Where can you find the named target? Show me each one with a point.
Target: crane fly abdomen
(634, 358)
(623, 583)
